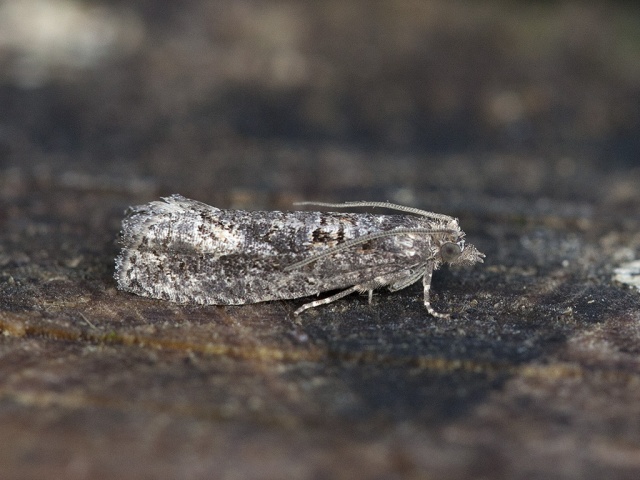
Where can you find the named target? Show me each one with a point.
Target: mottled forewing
(188, 252)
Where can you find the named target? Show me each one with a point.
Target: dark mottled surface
(520, 119)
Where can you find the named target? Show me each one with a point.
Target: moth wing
(233, 279)
(189, 252)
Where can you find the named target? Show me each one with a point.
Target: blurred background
(521, 118)
(253, 102)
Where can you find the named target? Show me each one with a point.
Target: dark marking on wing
(366, 247)
(322, 236)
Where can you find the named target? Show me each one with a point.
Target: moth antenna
(390, 206)
(364, 239)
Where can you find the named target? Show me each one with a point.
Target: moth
(185, 251)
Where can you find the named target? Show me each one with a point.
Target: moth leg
(370, 292)
(330, 299)
(426, 282)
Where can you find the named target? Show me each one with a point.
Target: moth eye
(450, 251)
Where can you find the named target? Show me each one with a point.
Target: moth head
(457, 253)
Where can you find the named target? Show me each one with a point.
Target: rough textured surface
(521, 120)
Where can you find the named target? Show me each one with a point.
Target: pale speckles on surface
(629, 274)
